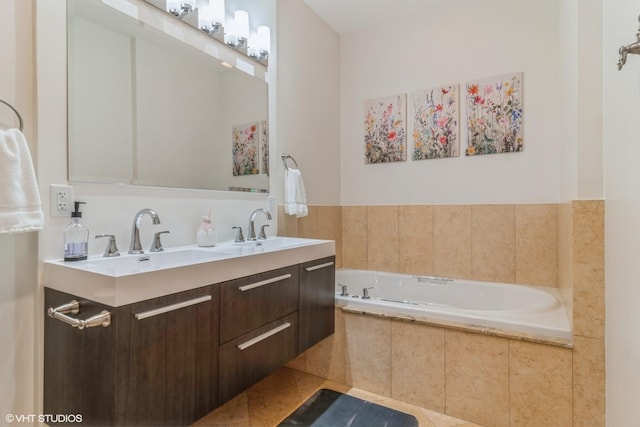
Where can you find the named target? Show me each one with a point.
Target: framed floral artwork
(435, 123)
(385, 135)
(494, 115)
(264, 146)
(245, 149)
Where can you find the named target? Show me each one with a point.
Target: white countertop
(127, 279)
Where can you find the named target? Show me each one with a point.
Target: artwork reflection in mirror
(146, 109)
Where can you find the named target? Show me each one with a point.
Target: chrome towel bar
(73, 307)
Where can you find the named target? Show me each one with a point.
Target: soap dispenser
(76, 237)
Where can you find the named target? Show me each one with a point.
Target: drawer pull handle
(73, 307)
(319, 266)
(245, 345)
(172, 307)
(263, 282)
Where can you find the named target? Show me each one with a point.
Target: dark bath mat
(328, 408)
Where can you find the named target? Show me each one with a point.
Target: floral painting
(435, 123)
(494, 115)
(385, 129)
(264, 146)
(245, 149)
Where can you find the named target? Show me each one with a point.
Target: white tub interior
(529, 310)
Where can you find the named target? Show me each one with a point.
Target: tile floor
(274, 398)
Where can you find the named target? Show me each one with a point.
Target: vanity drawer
(254, 301)
(251, 357)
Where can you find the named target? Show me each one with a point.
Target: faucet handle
(262, 235)
(112, 248)
(156, 246)
(365, 292)
(239, 236)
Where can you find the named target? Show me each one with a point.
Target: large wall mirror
(146, 109)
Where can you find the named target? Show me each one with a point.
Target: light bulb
(216, 8)
(263, 38)
(241, 18)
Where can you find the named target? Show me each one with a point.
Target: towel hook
(15, 111)
(284, 158)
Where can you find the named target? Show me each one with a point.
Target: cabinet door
(167, 359)
(317, 301)
(79, 364)
(247, 359)
(254, 301)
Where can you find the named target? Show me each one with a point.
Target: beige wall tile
(540, 385)
(417, 364)
(477, 378)
(493, 243)
(565, 257)
(354, 237)
(452, 241)
(536, 245)
(588, 268)
(287, 224)
(415, 239)
(368, 353)
(323, 222)
(588, 231)
(382, 247)
(589, 381)
(327, 359)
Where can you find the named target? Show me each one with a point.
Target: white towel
(20, 205)
(295, 198)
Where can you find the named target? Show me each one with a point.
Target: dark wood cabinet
(317, 301)
(171, 360)
(155, 365)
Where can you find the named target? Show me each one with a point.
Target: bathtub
(503, 309)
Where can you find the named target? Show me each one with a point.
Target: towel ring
(284, 158)
(15, 111)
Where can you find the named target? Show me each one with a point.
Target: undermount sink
(273, 243)
(132, 264)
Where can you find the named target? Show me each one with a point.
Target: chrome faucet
(252, 229)
(136, 247)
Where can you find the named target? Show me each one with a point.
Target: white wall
(453, 43)
(308, 100)
(622, 241)
(18, 252)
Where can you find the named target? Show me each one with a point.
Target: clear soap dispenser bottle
(76, 237)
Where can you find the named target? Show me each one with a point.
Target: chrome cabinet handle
(253, 341)
(263, 282)
(172, 307)
(319, 266)
(73, 307)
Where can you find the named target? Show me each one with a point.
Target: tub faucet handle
(344, 292)
(365, 292)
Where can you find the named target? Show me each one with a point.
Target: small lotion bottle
(206, 233)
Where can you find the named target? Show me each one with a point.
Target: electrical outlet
(61, 200)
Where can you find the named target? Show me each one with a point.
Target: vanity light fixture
(261, 44)
(211, 14)
(209, 17)
(238, 34)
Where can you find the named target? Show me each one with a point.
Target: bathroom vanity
(163, 354)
